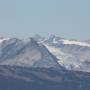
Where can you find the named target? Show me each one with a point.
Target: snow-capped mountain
(26, 53)
(48, 52)
(52, 63)
(71, 54)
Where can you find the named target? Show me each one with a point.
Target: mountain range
(45, 63)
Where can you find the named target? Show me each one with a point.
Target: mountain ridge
(70, 54)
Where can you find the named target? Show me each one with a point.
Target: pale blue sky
(65, 18)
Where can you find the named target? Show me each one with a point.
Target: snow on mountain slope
(75, 43)
(58, 40)
(45, 52)
(3, 39)
(26, 54)
(71, 54)
(66, 60)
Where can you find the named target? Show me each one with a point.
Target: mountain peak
(26, 53)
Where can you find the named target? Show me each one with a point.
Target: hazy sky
(65, 18)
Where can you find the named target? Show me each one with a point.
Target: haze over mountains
(45, 52)
(41, 60)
